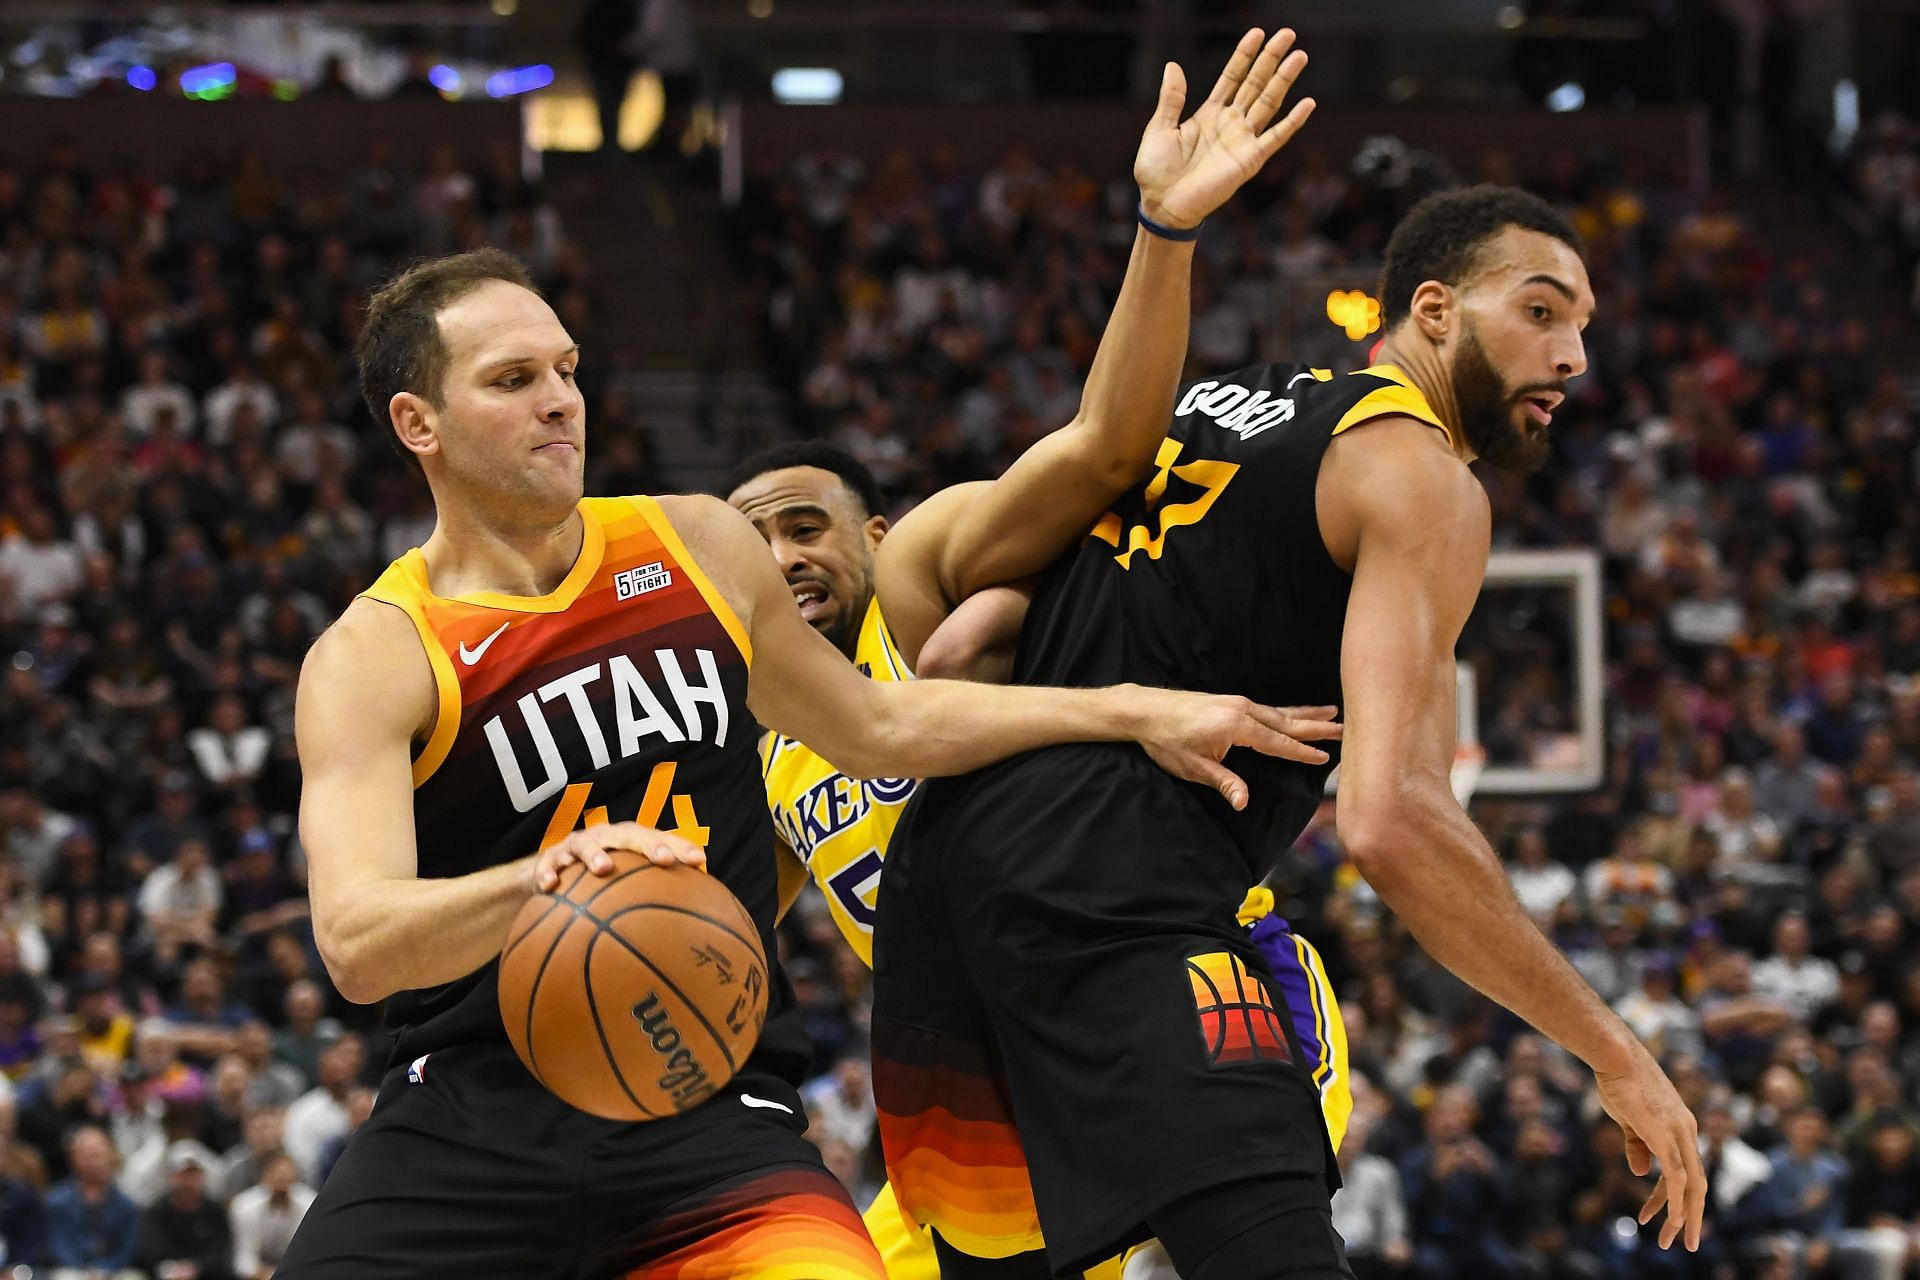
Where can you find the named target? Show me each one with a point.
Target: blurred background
(1695, 674)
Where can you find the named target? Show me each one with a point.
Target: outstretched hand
(1189, 734)
(1187, 170)
(1658, 1126)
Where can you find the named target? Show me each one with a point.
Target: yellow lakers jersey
(840, 826)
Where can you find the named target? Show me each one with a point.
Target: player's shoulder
(702, 520)
(369, 667)
(1249, 402)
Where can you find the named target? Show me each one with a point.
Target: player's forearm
(1433, 869)
(1128, 399)
(932, 728)
(401, 935)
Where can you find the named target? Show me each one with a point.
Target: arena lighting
(214, 80)
(1568, 97)
(1354, 311)
(142, 78)
(807, 86)
(445, 79)
(505, 84)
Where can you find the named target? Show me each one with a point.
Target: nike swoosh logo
(752, 1101)
(471, 656)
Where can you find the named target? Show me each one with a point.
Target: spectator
(1452, 1186)
(228, 751)
(244, 1163)
(1657, 1015)
(320, 1115)
(265, 1216)
(1802, 1202)
(308, 1032)
(180, 900)
(1803, 982)
(37, 566)
(1545, 888)
(92, 1228)
(184, 1236)
(841, 1102)
(1369, 1211)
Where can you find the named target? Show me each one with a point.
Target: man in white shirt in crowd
(1792, 974)
(141, 404)
(242, 387)
(1543, 886)
(180, 899)
(1657, 1014)
(1370, 1209)
(320, 1114)
(264, 1218)
(37, 566)
(841, 1102)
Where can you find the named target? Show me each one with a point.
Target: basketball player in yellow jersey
(820, 511)
(546, 679)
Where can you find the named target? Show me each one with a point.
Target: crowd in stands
(1745, 890)
(189, 491)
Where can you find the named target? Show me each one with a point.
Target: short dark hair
(400, 348)
(812, 453)
(1442, 237)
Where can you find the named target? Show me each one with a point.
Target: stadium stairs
(668, 311)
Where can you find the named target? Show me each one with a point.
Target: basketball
(635, 995)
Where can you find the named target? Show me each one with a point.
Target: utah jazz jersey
(840, 826)
(620, 696)
(1213, 575)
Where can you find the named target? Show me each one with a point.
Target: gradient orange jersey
(619, 696)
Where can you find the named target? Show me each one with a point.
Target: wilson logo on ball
(684, 1079)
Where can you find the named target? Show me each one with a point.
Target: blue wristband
(1167, 233)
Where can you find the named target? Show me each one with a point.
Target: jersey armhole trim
(888, 650)
(656, 518)
(446, 716)
(1397, 398)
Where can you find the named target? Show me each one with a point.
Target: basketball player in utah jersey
(548, 678)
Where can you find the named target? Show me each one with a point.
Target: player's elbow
(350, 962)
(1099, 457)
(1380, 826)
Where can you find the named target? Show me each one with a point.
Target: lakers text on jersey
(838, 826)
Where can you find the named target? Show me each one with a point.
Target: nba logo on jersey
(641, 579)
(417, 1069)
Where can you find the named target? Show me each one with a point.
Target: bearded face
(1505, 425)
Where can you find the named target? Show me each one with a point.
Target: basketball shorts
(906, 1248)
(468, 1167)
(1072, 1030)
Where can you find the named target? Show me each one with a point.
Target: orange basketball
(635, 995)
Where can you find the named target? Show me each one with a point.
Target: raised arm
(805, 688)
(981, 535)
(1419, 528)
(365, 692)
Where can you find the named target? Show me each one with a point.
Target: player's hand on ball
(1659, 1126)
(1192, 733)
(588, 848)
(1187, 170)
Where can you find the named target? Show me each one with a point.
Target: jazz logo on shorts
(1238, 1022)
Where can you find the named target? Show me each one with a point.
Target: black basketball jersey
(1213, 575)
(621, 696)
